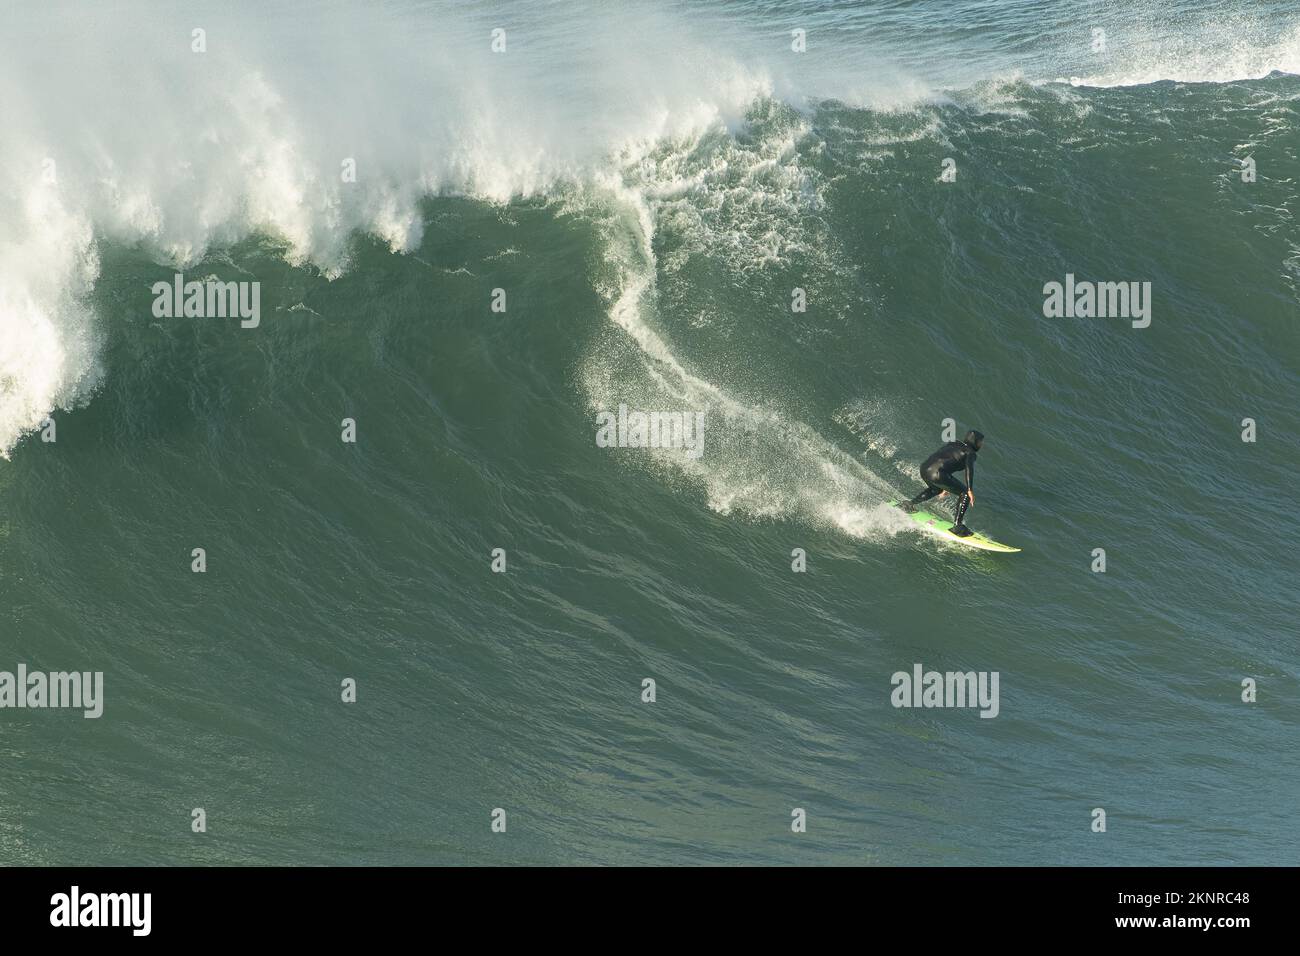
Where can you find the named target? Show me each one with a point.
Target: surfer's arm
(970, 476)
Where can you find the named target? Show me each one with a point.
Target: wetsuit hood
(974, 439)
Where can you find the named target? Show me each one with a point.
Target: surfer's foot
(961, 531)
(907, 506)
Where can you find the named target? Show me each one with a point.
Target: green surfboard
(941, 527)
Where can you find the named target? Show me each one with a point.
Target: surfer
(937, 472)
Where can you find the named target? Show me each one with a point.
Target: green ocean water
(648, 232)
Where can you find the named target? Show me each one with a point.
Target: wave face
(648, 185)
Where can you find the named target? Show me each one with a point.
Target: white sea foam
(758, 461)
(1246, 47)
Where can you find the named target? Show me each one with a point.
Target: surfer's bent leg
(936, 483)
(925, 495)
(955, 487)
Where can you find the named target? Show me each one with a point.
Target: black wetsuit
(938, 470)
